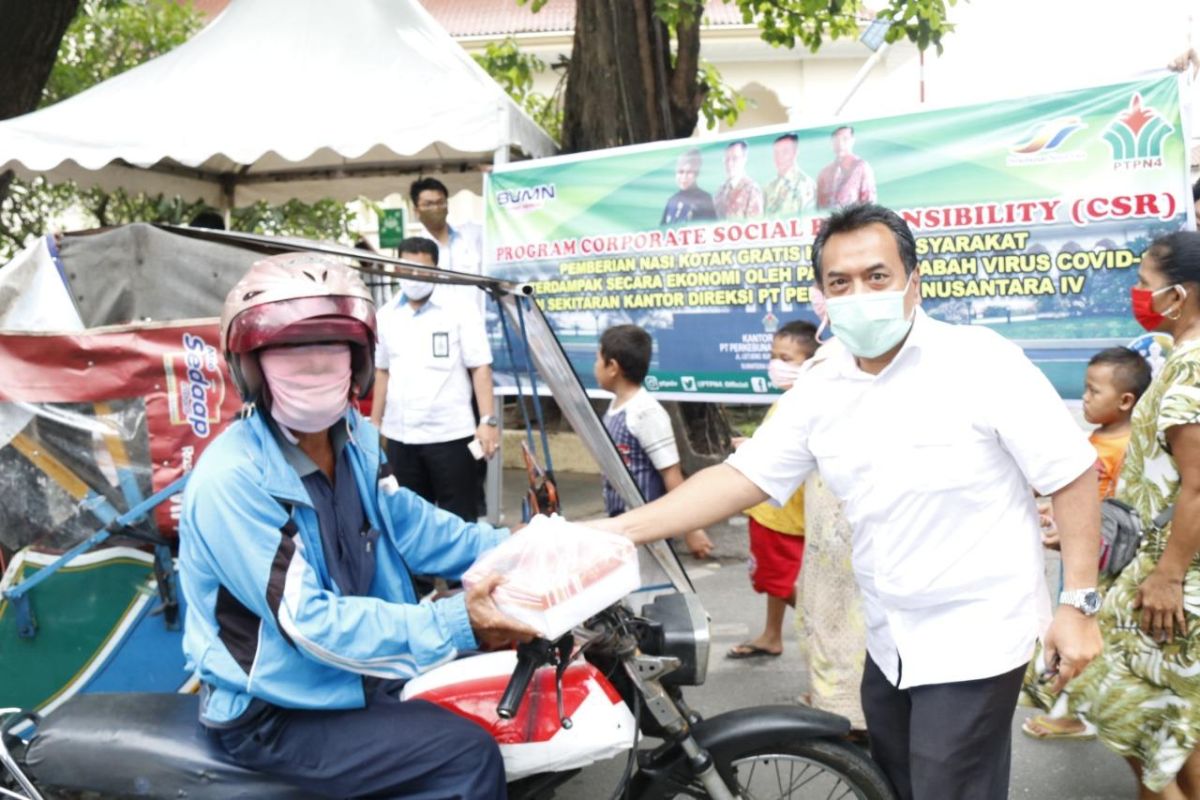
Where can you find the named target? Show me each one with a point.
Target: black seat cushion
(141, 745)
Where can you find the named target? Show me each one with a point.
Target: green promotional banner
(1030, 217)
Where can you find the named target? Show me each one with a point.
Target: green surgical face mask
(870, 323)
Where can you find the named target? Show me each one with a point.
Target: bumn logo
(527, 198)
(1137, 136)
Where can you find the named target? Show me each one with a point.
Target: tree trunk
(30, 33)
(621, 87)
(29, 39)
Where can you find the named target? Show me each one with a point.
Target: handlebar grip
(528, 660)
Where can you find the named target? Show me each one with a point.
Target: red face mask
(1142, 301)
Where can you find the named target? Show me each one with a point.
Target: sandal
(1043, 726)
(747, 650)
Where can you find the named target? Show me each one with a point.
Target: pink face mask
(310, 384)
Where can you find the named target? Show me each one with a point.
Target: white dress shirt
(464, 253)
(427, 352)
(934, 459)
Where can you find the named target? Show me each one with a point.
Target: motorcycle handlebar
(529, 657)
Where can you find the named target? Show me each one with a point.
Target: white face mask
(782, 373)
(416, 290)
(870, 323)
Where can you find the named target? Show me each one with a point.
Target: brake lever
(564, 646)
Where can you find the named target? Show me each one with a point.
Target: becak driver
(296, 554)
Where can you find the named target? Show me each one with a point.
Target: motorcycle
(554, 707)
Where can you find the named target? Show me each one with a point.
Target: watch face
(1091, 602)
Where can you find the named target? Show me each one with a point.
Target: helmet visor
(303, 320)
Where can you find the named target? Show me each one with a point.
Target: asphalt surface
(1064, 770)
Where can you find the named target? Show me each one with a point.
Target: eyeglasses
(435, 204)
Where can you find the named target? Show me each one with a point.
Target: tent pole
(493, 487)
(494, 484)
(500, 155)
(228, 189)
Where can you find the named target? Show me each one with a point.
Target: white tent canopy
(278, 99)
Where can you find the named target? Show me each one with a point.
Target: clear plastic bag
(558, 573)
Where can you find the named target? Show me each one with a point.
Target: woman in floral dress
(833, 631)
(829, 618)
(1143, 692)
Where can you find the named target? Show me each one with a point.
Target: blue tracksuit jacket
(265, 620)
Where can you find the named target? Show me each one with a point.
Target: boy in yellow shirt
(777, 532)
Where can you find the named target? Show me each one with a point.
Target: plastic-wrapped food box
(558, 573)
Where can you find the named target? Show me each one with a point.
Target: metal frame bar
(551, 361)
(10, 764)
(19, 595)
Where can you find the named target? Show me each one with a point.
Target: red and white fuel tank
(534, 740)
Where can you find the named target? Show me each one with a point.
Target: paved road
(1041, 771)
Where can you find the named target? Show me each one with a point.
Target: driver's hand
(493, 629)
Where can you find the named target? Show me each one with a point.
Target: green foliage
(324, 219)
(515, 72)
(781, 23)
(27, 210)
(722, 103)
(811, 22)
(108, 37)
(119, 207)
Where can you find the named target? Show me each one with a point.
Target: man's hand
(698, 543)
(1071, 643)
(1184, 60)
(493, 629)
(489, 439)
(1161, 600)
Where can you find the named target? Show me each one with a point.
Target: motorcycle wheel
(828, 769)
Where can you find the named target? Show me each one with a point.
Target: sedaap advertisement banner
(105, 417)
(1030, 216)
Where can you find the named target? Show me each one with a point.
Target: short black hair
(1177, 255)
(802, 332)
(419, 244)
(629, 346)
(787, 137)
(426, 185)
(1131, 372)
(742, 143)
(1196, 191)
(860, 215)
(841, 128)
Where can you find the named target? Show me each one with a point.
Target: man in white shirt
(932, 435)
(431, 358)
(460, 247)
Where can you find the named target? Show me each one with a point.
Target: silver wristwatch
(490, 419)
(1086, 600)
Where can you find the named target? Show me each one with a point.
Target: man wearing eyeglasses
(460, 247)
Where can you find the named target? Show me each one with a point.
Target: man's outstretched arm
(709, 496)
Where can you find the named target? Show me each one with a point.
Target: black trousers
(388, 749)
(444, 473)
(947, 741)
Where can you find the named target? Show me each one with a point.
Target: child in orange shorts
(777, 533)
